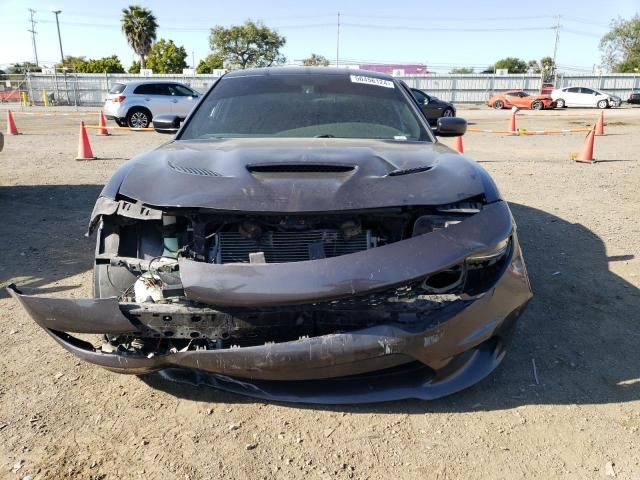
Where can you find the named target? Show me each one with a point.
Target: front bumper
(451, 349)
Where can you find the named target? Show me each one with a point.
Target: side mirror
(166, 123)
(451, 127)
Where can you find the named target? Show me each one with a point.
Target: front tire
(603, 104)
(447, 113)
(138, 118)
(537, 105)
(560, 103)
(498, 104)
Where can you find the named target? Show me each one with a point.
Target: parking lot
(564, 404)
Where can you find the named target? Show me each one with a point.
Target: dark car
(634, 98)
(433, 107)
(303, 238)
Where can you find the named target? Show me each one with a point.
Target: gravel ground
(579, 228)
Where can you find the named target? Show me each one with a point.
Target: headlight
(492, 253)
(431, 223)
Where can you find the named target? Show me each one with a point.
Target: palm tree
(139, 26)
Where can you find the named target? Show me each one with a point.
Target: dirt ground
(580, 231)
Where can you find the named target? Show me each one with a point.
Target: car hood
(297, 175)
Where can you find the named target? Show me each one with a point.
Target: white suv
(135, 104)
(584, 97)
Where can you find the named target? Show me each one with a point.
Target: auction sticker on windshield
(371, 81)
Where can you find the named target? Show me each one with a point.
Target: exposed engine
(142, 262)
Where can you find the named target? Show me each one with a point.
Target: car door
(163, 100)
(155, 97)
(183, 99)
(423, 100)
(572, 97)
(513, 99)
(587, 97)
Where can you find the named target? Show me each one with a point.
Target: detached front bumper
(451, 349)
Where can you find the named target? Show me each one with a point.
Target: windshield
(305, 105)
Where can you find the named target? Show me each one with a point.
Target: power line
(445, 29)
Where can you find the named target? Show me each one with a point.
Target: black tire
(560, 103)
(498, 104)
(537, 105)
(138, 118)
(602, 104)
(448, 112)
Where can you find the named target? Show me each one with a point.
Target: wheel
(537, 105)
(448, 113)
(138, 118)
(560, 103)
(498, 104)
(603, 104)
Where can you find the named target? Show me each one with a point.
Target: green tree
(210, 63)
(548, 68)
(23, 67)
(316, 60)
(139, 26)
(98, 65)
(533, 67)
(105, 65)
(461, 70)
(135, 67)
(620, 47)
(75, 64)
(512, 64)
(166, 57)
(249, 45)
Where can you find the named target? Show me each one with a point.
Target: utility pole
(555, 48)
(338, 43)
(56, 13)
(33, 35)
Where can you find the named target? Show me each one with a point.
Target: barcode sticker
(379, 82)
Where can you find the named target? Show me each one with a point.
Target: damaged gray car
(303, 238)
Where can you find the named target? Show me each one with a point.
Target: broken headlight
(493, 253)
(431, 223)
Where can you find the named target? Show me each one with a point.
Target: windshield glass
(305, 105)
(117, 88)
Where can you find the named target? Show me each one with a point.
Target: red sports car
(520, 99)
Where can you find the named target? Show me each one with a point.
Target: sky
(441, 34)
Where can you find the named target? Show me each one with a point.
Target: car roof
(249, 72)
(135, 83)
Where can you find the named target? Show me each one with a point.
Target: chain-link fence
(91, 89)
(478, 88)
(83, 90)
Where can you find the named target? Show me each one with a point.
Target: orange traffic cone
(600, 125)
(512, 124)
(586, 155)
(103, 125)
(457, 145)
(11, 125)
(84, 148)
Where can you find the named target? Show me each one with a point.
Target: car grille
(282, 247)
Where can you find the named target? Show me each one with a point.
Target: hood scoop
(409, 171)
(201, 172)
(276, 168)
